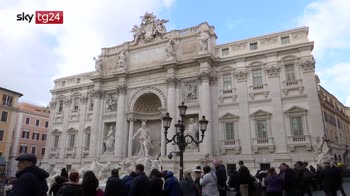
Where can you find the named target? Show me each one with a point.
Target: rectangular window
(27, 120)
(229, 131)
(296, 125)
(47, 124)
(261, 128)
(7, 100)
(290, 72)
(227, 83)
(2, 135)
(35, 136)
(60, 106)
(43, 137)
(63, 83)
(71, 140)
(55, 141)
(87, 140)
(23, 148)
(33, 149)
(253, 46)
(25, 134)
(76, 103)
(257, 77)
(285, 40)
(37, 122)
(4, 116)
(42, 151)
(78, 80)
(225, 51)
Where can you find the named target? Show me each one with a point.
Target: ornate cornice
(96, 93)
(122, 89)
(172, 81)
(273, 71)
(241, 76)
(308, 65)
(213, 79)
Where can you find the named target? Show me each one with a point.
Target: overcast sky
(32, 56)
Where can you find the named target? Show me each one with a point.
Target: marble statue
(105, 171)
(159, 27)
(203, 41)
(98, 65)
(192, 130)
(109, 140)
(111, 103)
(137, 32)
(170, 49)
(144, 136)
(122, 59)
(191, 91)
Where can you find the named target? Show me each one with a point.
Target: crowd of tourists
(207, 181)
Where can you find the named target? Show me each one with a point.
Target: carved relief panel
(111, 102)
(190, 91)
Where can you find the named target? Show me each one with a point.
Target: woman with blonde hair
(187, 185)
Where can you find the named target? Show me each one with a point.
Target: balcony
(85, 151)
(260, 143)
(54, 152)
(258, 90)
(226, 94)
(292, 85)
(233, 144)
(299, 141)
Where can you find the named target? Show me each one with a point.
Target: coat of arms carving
(150, 28)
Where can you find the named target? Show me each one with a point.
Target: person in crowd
(156, 182)
(10, 182)
(59, 180)
(141, 185)
(209, 182)
(307, 175)
(234, 180)
(289, 179)
(187, 186)
(171, 184)
(273, 183)
(319, 169)
(128, 179)
(261, 176)
(197, 177)
(244, 178)
(221, 176)
(330, 178)
(64, 173)
(90, 184)
(30, 178)
(71, 188)
(114, 185)
(341, 171)
(299, 175)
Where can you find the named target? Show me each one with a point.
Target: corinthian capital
(96, 93)
(273, 71)
(204, 76)
(172, 81)
(122, 89)
(241, 76)
(308, 65)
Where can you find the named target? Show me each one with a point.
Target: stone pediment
(261, 113)
(296, 109)
(229, 116)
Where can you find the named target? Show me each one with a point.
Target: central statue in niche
(144, 136)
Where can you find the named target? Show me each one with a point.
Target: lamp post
(179, 138)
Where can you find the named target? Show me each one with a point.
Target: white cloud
(329, 22)
(33, 55)
(347, 101)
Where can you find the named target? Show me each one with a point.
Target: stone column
(120, 141)
(277, 121)
(63, 137)
(172, 81)
(14, 150)
(97, 94)
(81, 131)
(131, 133)
(205, 109)
(243, 126)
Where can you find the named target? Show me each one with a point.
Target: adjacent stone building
(30, 133)
(260, 96)
(8, 109)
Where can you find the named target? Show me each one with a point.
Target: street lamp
(179, 138)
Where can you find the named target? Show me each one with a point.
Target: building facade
(8, 109)
(259, 95)
(30, 133)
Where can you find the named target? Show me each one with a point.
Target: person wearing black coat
(114, 185)
(30, 178)
(59, 180)
(156, 182)
(141, 184)
(330, 178)
(220, 171)
(128, 180)
(71, 188)
(234, 180)
(64, 172)
(289, 179)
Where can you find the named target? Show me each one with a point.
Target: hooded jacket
(171, 185)
(31, 181)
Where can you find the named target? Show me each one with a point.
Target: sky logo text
(42, 17)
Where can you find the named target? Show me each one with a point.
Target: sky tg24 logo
(42, 17)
